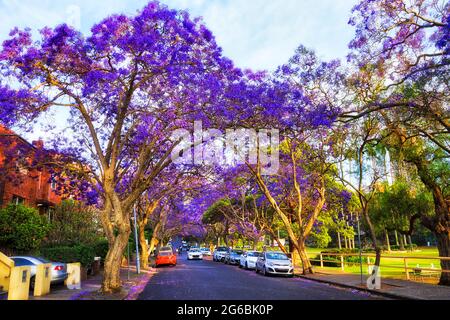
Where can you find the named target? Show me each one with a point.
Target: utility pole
(128, 258)
(138, 259)
(360, 249)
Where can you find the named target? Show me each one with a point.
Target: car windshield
(195, 250)
(165, 254)
(222, 249)
(277, 256)
(166, 249)
(254, 254)
(237, 252)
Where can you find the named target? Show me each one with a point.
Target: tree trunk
(396, 238)
(388, 242)
(111, 279)
(373, 236)
(443, 244)
(339, 240)
(144, 253)
(306, 263)
(154, 239)
(402, 244)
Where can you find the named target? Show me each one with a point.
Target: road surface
(208, 280)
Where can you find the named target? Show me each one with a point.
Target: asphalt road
(207, 280)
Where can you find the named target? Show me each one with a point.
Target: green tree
(22, 229)
(74, 223)
(397, 207)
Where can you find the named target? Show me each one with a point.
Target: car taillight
(59, 268)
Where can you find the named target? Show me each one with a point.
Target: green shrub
(335, 261)
(22, 229)
(73, 223)
(101, 248)
(81, 253)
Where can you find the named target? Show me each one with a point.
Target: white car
(195, 254)
(276, 263)
(248, 259)
(220, 254)
(205, 251)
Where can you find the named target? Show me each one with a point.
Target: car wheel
(256, 269)
(264, 272)
(246, 266)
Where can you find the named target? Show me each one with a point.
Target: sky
(255, 34)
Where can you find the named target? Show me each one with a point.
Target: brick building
(20, 183)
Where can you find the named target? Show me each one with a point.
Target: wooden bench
(425, 273)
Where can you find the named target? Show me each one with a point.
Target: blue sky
(257, 34)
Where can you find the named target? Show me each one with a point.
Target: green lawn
(392, 264)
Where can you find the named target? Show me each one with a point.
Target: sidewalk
(90, 288)
(392, 288)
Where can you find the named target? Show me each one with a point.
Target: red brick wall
(31, 185)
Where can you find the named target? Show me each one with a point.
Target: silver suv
(220, 253)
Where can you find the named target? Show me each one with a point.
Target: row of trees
(136, 79)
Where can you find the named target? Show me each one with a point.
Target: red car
(166, 258)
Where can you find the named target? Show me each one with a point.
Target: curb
(348, 286)
(135, 291)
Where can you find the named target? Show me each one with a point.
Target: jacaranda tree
(126, 86)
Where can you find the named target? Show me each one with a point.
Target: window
(276, 256)
(19, 262)
(17, 200)
(254, 254)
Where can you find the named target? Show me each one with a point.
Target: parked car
(166, 257)
(205, 251)
(276, 263)
(195, 254)
(59, 269)
(234, 257)
(248, 259)
(220, 253)
(165, 249)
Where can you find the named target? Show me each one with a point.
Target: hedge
(101, 249)
(81, 253)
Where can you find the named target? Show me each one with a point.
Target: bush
(22, 229)
(81, 253)
(73, 223)
(335, 261)
(397, 248)
(101, 249)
